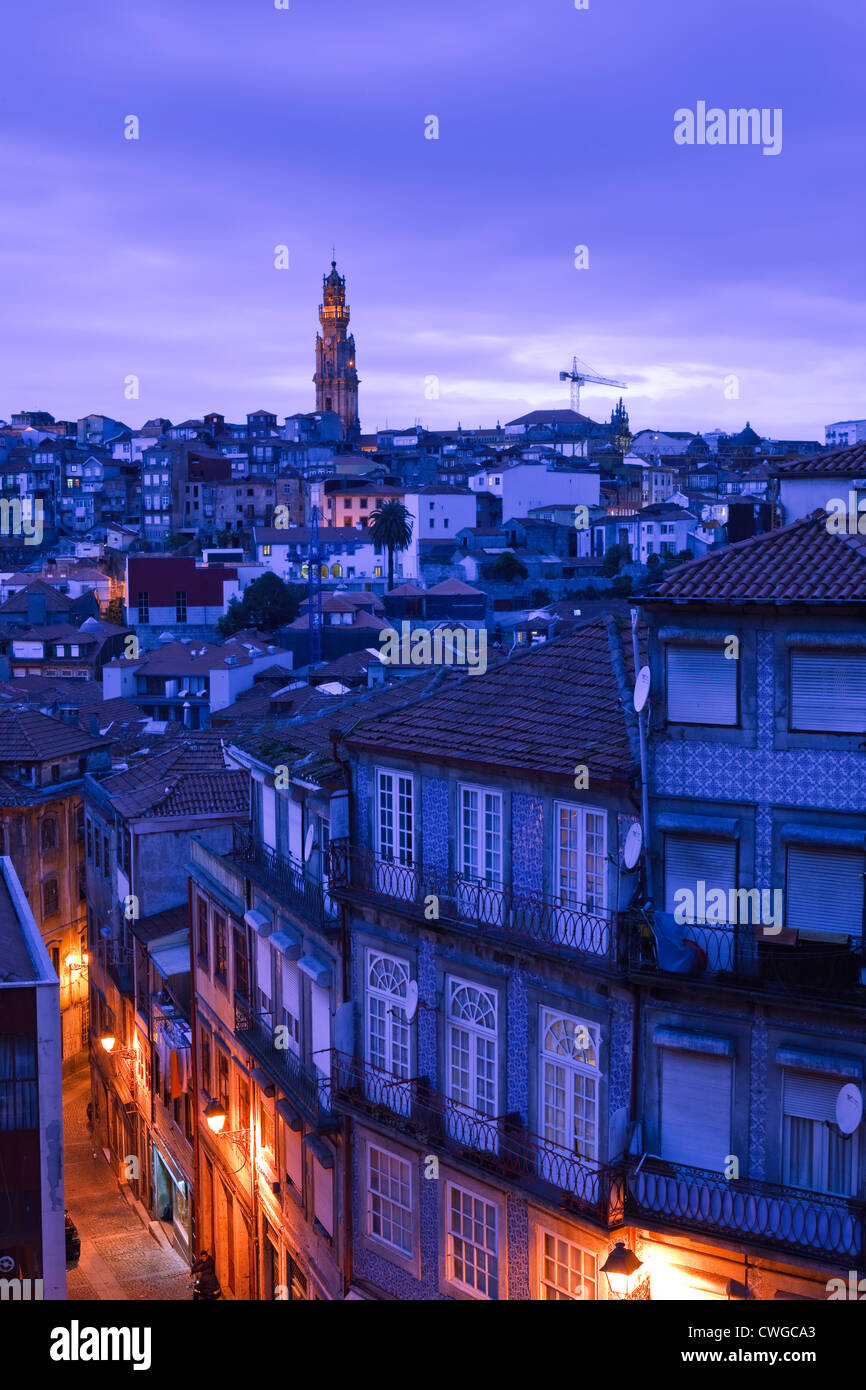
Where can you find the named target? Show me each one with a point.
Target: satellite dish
(849, 1108)
(633, 845)
(411, 1000)
(641, 688)
(309, 839)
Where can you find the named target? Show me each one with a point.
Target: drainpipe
(644, 790)
(195, 1225)
(334, 735)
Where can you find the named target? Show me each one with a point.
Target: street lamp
(108, 1042)
(619, 1266)
(215, 1115)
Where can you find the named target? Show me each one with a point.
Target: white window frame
(389, 1203)
(587, 1261)
(388, 1008)
(475, 1206)
(402, 845)
(489, 866)
(583, 812)
(474, 1042)
(572, 1067)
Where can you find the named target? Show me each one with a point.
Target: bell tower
(336, 377)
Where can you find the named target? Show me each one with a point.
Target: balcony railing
(303, 1083)
(530, 917)
(494, 1143)
(735, 953)
(764, 1214)
(284, 878)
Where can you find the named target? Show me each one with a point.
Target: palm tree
(391, 528)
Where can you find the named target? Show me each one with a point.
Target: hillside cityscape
(432, 860)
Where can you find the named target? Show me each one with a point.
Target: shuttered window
(828, 692)
(825, 890)
(690, 860)
(701, 685)
(814, 1154)
(320, 1020)
(696, 1109)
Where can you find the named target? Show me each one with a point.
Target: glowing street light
(108, 1042)
(619, 1266)
(215, 1115)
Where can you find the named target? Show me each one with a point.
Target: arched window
(50, 896)
(48, 832)
(387, 1025)
(472, 1060)
(569, 1083)
(336, 571)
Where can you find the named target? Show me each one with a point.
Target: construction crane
(580, 373)
(314, 590)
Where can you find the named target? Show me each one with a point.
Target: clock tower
(336, 377)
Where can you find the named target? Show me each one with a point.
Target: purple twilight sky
(305, 127)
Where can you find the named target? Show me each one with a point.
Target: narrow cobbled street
(120, 1258)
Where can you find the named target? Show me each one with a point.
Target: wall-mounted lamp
(215, 1114)
(618, 1269)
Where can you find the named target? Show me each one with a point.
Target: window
(824, 890)
(296, 1282)
(48, 833)
(242, 1115)
(695, 1109)
(143, 606)
(223, 1079)
(266, 1130)
(566, 1270)
(481, 836)
(205, 1054)
(180, 606)
(472, 1242)
(220, 948)
(266, 550)
(50, 896)
(387, 1027)
(701, 686)
(814, 1154)
(88, 838)
(18, 1090)
(389, 1199)
(471, 1046)
(241, 964)
(828, 692)
(690, 860)
(106, 858)
(395, 819)
(568, 1092)
(202, 933)
(124, 849)
(581, 857)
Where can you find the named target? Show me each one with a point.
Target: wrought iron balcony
(497, 1144)
(283, 877)
(736, 954)
(297, 1078)
(763, 1214)
(503, 912)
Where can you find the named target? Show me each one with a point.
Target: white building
(844, 432)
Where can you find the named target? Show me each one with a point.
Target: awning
(263, 1081)
(318, 970)
(322, 1151)
(820, 1062)
(291, 1116)
(685, 1041)
(260, 922)
(287, 944)
(171, 960)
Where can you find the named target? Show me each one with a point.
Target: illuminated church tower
(336, 378)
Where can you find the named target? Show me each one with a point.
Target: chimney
(36, 609)
(94, 724)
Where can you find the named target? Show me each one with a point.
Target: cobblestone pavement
(120, 1259)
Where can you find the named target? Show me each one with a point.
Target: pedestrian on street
(89, 1127)
(206, 1285)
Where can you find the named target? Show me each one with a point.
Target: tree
(614, 558)
(391, 528)
(505, 569)
(114, 612)
(266, 604)
(539, 598)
